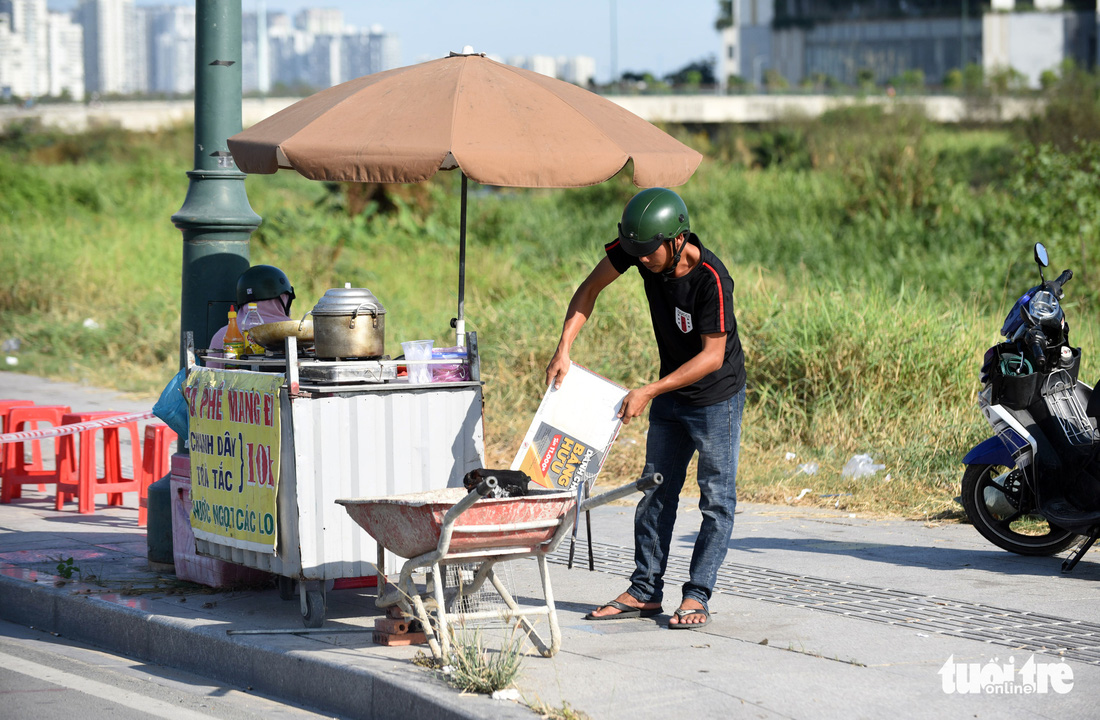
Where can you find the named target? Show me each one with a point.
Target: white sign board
(572, 431)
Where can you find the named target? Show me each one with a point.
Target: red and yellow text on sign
(234, 440)
(561, 465)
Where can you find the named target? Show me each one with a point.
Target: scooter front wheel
(1004, 513)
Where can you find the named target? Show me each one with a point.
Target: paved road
(46, 677)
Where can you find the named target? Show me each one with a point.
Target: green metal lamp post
(216, 219)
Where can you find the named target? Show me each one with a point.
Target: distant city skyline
(653, 36)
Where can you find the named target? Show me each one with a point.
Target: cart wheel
(314, 614)
(287, 591)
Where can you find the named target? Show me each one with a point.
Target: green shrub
(1072, 109)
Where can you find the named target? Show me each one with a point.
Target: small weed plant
(476, 669)
(66, 568)
(565, 712)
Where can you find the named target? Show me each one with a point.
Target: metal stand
(588, 532)
(1072, 560)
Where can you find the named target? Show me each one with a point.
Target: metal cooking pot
(349, 323)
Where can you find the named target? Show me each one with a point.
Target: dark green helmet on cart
(650, 218)
(263, 282)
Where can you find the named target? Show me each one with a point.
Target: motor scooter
(1033, 488)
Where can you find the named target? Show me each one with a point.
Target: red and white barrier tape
(74, 428)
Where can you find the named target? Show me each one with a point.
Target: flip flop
(625, 612)
(680, 625)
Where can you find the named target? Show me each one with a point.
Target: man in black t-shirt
(696, 402)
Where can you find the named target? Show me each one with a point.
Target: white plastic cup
(418, 350)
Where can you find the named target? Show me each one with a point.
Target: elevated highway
(679, 109)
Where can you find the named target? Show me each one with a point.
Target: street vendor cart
(335, 429)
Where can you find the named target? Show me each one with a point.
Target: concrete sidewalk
(818, 615)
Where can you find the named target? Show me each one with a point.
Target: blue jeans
(676, 431)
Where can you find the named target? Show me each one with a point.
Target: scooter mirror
(1041, 255)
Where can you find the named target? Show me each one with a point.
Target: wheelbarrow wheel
(287, 591)
(313, 613)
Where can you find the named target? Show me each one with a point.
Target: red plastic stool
(17, 471)
(86, 482)
(5, 406)
(156, 457)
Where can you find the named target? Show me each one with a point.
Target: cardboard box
(572, 431)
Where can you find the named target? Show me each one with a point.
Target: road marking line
(101, 690)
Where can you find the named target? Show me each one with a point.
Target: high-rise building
(26, 72)
(263, 66)
(171, 48)
(298, 54)
(11, 59)
(385, 50)
(747, 42)
(112, 47)
(857, 40)
(322, 64)
(320, 21)
(579, 69)
(357, 58)
(542, 64)
(114, 54)
(1032, 42)
(65, 56)
(286, 49)
(369, 51)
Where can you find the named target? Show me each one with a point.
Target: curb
(397, 693)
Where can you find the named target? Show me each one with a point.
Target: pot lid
(348, 301)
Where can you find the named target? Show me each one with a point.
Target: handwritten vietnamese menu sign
(234, 440)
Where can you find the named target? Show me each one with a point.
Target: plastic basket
(1015, 385)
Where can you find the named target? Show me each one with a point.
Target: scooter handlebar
(1059, 281)
(1036, 341)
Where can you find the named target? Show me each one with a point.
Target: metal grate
(1060, 394)
(485, 599)
(1017, 629)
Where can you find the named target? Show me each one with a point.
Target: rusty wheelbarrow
(450, 526)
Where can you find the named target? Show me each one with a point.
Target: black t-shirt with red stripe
(683, 309)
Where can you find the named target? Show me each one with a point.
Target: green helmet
(263, 282)
(650, 218)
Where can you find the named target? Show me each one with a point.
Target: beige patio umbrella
(497, 124)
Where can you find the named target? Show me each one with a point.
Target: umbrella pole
(460, 321)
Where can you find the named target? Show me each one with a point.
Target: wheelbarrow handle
(645, 482)
(483, 488)
(486, 486)
(640, 485)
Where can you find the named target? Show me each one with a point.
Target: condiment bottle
(233, 345)
(251, 319)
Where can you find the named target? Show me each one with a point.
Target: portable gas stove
(338, 372)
